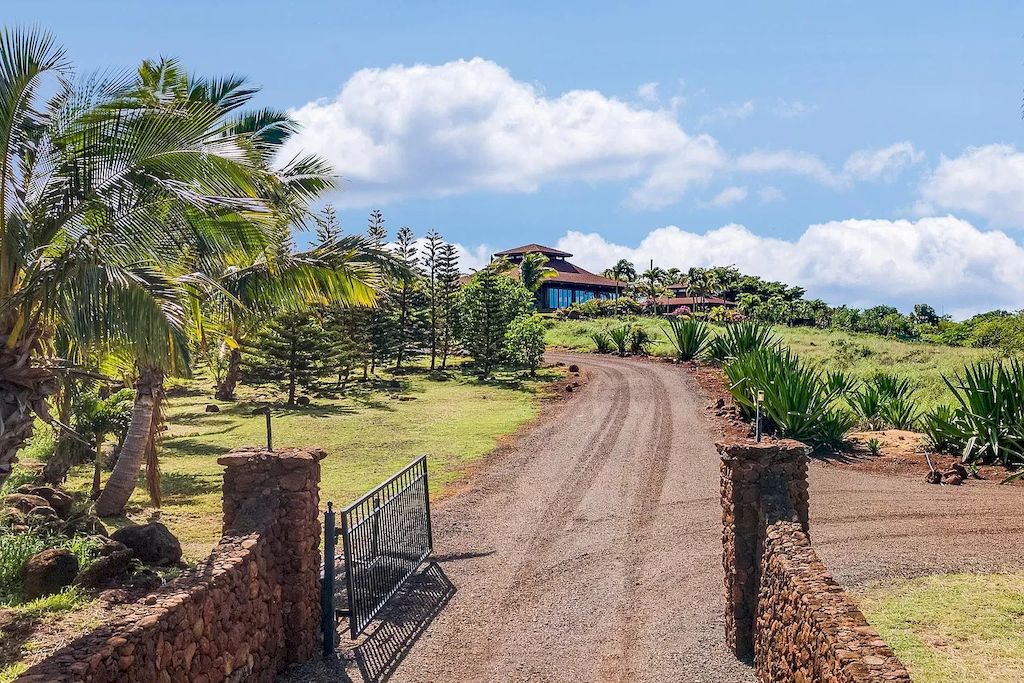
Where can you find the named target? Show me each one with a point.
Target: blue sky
(868, 151)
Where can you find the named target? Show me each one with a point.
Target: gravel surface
(591, 550)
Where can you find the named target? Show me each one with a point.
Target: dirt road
(591, 551)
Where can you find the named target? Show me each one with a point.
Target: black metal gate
(386, 536)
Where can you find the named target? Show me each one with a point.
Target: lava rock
(152, 543)
(58, 500)
(25, 501)
(212, 408)
(952, 478)
(47, 572)
(105, 569)
(85, 524)
(302, 400)
(933, 477)
(574, 368)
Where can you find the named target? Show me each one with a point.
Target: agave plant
(989, 422)
(941, 431)
(867, 403)
(602, 342)
(688, 336)
(739, 338)
(892, 386)
(840, 381)
(899, 413)
(620, 338)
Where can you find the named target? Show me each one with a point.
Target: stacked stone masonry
(246, 612)
(784, 611)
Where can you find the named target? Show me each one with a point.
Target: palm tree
(284, 194)
(97, 189)
(622, 271)
(533, 271)
(653, 278)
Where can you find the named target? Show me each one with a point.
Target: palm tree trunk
(141, 437)
(226, 389)
(24, 388)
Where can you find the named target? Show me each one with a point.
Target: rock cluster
(245, 613)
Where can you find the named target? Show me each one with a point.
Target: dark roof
(534, 248)
(573, 274)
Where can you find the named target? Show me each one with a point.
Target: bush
(899, 413)
(688, 336)
(885, 401)
(738, 339)
(620, 338)
(639, 341)
(797, 402)
(599, 308)
(524, 342)
(15, 549)
(988, 423)
(941, 434)
(602, 342)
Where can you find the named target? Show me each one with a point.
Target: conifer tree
(448, 290)
(410, 300)
(432, 253)
(380, 325)
(328, 228)
(489, 304)
(289, 352)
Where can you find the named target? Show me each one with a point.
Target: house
(571, 284)
(680, 297)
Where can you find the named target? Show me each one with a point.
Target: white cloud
(987, 181)
(736, 112)
(727, 197)
(944, 261)
(863, 165)
(769, 194)
(884, 163)
(648, 92)
(788, 161)
(791, 109)
(468, 125)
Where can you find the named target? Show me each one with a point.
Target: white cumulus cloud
(468, 125)
(944, 260)
(727, 197)
(862, 165)
(987, 181)
(884, 163)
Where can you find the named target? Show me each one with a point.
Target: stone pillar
(751, 473)
(279, 490)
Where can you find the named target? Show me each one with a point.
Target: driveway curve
(591, 549)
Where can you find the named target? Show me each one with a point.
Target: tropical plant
(619, 337)
(941, 431)
(533, 270)
(689, 337)
(841, 382)
(989, 420)
(489, 303)
(602, 342)
(867, 402)
(874, 446)
(622, 271)
(640, 341)
(899, 413)
(737, 339)
(102, 188)
(524, 342)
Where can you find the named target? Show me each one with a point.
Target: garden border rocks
(783, 609)
(245, 613)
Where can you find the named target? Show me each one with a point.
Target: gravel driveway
(591, 551)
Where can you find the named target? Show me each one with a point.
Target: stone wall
(784, 611)
(247, 611)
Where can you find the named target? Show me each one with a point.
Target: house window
(559, 297)
(584, 296)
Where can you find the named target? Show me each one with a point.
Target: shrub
(899, 413)
(874, 447)
(867, 404)
(886, 401)
(839, 381)
(602, 342)
(797, 402)
(524, 342)
(892, 386)
(688, 336)
(940, 432)
(739, 338)
(620, 338)
(639, 341)
(988, 424)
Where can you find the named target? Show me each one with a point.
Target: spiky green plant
(941, 431)
(899, 413)
(989, 420)
(639, 341)
(602, 342)
(736, 339)
(867, 404)
(892, 386)
(620, 338)
(689, 337)
(843, 382)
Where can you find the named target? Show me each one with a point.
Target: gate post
(750, 472)
(328, 620)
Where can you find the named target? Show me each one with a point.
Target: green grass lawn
(954, 628)
(860, 354)
(368, 436)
